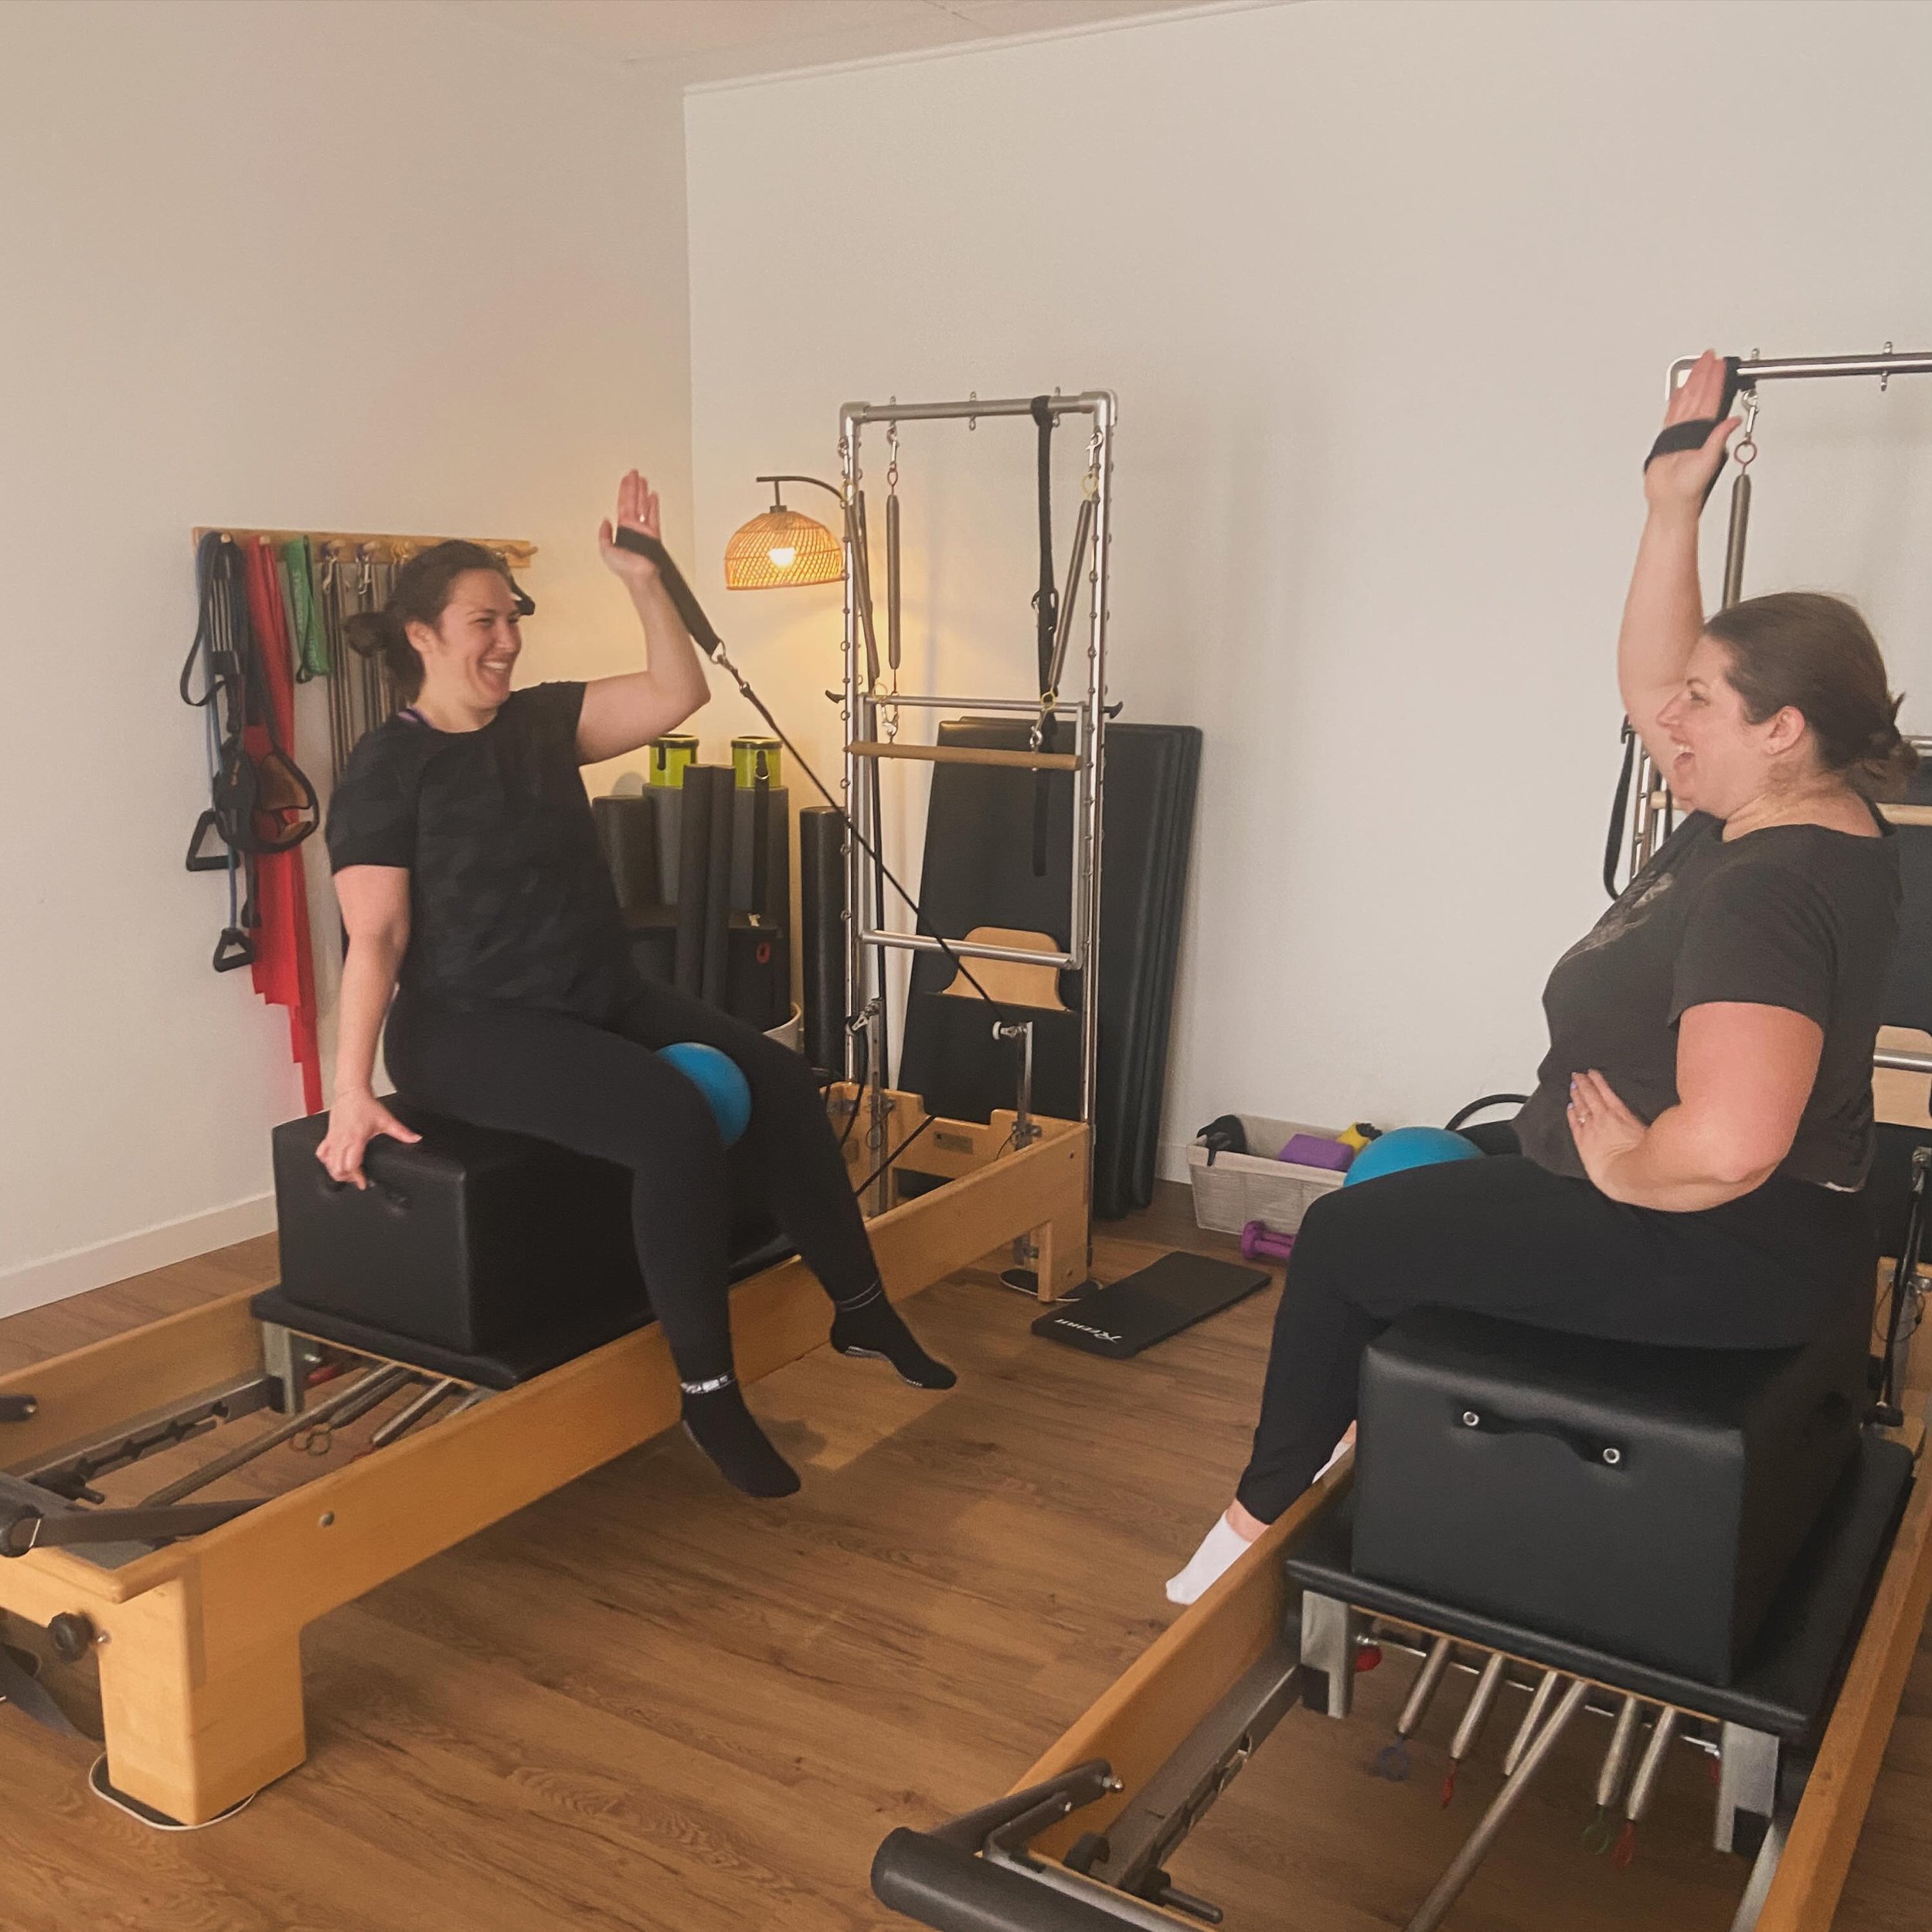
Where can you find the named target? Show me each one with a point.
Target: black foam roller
(821, 882)
(627, 828)
(694, 871)
(717, 890)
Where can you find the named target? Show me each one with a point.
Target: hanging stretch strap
(1047, 600)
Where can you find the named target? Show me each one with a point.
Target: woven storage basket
(1241, 1187)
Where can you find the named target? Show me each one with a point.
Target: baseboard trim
(34, 1284)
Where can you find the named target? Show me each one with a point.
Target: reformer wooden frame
(198, 1641)
(1147, 1717)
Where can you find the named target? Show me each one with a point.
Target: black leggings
(601, 1091)
(1506, 1237)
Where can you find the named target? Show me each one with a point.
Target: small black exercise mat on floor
(1147, 1306)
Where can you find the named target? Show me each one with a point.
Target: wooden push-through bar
(201, 1659)
(967, 755)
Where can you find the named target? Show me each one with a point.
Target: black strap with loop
(1047, 600)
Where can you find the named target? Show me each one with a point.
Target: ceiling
(698, 40)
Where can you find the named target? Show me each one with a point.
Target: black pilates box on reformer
(487, 1256)
(1646, 1501)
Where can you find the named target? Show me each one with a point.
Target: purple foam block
(1311, 1150)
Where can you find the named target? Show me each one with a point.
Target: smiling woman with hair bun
(475, 893)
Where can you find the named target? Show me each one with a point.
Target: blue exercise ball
(1403, 1147)
(717, 1077)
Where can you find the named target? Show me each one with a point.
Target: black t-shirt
(510, 899)
(1793, 916)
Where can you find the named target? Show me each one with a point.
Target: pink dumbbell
(1261, 1243)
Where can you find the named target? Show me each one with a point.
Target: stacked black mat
(703, 874)
(999, 853)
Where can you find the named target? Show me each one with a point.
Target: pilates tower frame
(869, 935)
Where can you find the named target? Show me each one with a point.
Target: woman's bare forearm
(369, 983)
(1683, 1164)
(1664, 612)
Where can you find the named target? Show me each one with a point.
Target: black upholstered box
(1646, 1501)
(465, 1239)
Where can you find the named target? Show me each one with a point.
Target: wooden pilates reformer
(1081, 1843)
(197, 1637)
(194, 1608)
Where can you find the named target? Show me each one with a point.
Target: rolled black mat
(717, 891)
(821, 882)
(628, 829)
(694, 872)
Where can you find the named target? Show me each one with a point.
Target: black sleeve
(1761, 935)
(372, 818)
(549, 714)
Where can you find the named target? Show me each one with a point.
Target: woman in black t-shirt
(1691, 1161)
(473, 892)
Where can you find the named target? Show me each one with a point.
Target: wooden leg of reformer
(188, 1736)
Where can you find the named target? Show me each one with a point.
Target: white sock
(1224, 1543)
(1219, 1549)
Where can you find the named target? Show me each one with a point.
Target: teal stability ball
(716, 1077)
(1407, 1147)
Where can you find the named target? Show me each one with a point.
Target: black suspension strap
(691, 613)
(1046, 623)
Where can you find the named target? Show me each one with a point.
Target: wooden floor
(649, 1703)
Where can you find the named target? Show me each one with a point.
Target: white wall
(342, 267)
(1388, 293)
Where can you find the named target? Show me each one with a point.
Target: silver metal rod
(1090, 798)
(407, 1417)
(1900, 1061)
(1797, 368)
(1427, 1679)
(1623, 1740)
(855, 768)
(1094, 402)
(1643, 1788)
(1482, 1701)
(1526, 1731)
(1449, 1887)
(969, 949)
(939, 701)
(289, 1425)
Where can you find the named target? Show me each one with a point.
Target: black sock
(870, 1325)
(717, 1419)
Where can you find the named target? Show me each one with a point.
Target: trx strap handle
(1046, 621)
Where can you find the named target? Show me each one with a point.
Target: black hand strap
(690, 612)
(1675, 437)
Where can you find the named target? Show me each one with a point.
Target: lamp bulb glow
(782, 557)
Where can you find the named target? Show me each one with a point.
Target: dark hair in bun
(1816, 655)
(420, 595)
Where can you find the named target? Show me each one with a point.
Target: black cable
(862, 1187)
(708, 640)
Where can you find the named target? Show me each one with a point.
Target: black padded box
(487, 1256)
(1646, 1501)
(460, 1240)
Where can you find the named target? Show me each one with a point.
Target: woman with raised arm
(1692, 1162)
(474, 891)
